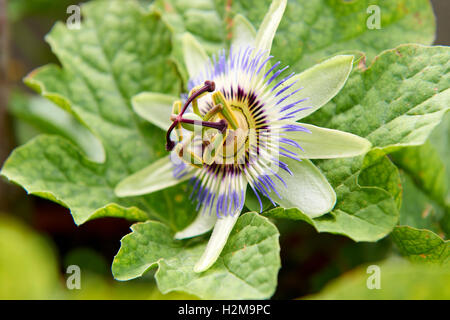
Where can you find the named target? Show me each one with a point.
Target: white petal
(195, 56)
(154, 107)
(307, 189)
(244, 33)
(269, 26)
(320, 83)
(155, 177)
(218, 239)
(222, 228)
(202, 224)
(324, 143)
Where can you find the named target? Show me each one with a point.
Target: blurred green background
(38, 239)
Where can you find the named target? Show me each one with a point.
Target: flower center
(221, 133)
(234, 145)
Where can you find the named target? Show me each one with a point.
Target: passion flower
(238, 128)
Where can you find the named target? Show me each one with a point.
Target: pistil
(220, 125)
(209, 86)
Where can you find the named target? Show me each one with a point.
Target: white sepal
(154, 107)
(306, 189)
(323, 143)
(218, 239)
(202, 224)
(155, 177)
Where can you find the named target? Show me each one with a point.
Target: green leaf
(51, 167)
(440, 140)
(246, 269)
(426, 182)
(398, 281)
(48, 118)
(313, 30)
(426, 168)
(120, 51)
(421, 226)
(366, 209)
(418, 209)
(422, 245)
(397, 101)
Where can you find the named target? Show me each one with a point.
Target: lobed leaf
(397, 101)
(119, 51)
(421, 245)
(246, 269)
(48, 118)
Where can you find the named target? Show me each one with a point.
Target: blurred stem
(4, 42)
(6, 136)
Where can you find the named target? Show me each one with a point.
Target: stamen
(219, 99)
(211, 113)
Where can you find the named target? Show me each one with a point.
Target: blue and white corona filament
(238, 130)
